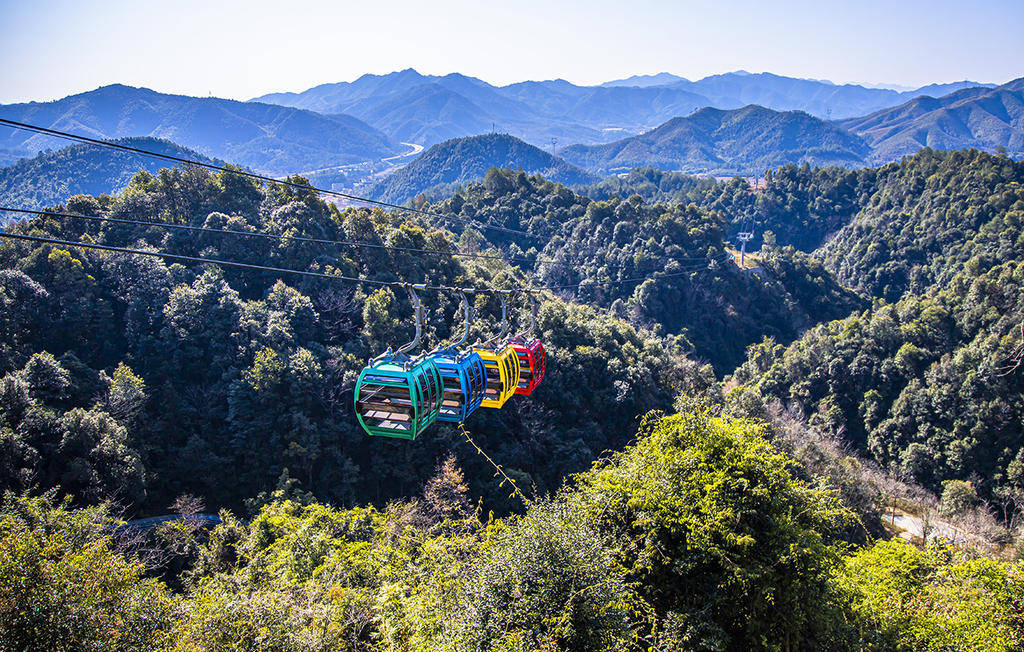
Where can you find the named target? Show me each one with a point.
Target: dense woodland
(695, 296)
(710, 463)
(698, 536)
(923, 380)
(53, 176)
(928, 385)
(205, 364)
(799, 205)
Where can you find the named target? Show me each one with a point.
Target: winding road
(416, 149)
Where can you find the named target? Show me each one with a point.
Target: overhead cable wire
(193, 259)
(252, 175)
(336, 277)
(296, 238)
(271, 236)
(497, 467)
(654, 276)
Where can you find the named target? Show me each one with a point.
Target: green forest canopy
(696, 537)
(126, 379)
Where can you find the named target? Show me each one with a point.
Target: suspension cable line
(336, 277)
(193, 259)
(497, 467)
(295, 238)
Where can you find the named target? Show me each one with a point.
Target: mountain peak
(980, 117)
(716, 141)
(406, 74)
(1014, 85)
(118, 87)
(460, 160)
(643, 81)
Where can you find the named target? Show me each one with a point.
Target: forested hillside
(884, 230)
(457, 161)
(923, 383)
(215, 349)
(714, 308)
(644, 499)
(927, 381)
(799, 205)
(188, 380)
(928, 216)
(698, 536)
(53, 177)
(986, 118)
(929, 386)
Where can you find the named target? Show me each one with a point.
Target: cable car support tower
(744, 237)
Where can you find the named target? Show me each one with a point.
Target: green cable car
(397, 395)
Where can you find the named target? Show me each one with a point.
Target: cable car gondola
(462, 372)
(501, 363)
(397, 395)
(533, 359)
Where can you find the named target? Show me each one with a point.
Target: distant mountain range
(467, 159)
(426, 109)
(985, 118)
(266, 137)
(822, 99)
(411, 107)
(347, 134)
(52, 177)
(741, 141)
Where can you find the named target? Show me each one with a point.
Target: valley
(422, 362)
(784, 379)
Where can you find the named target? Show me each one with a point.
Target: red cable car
(533, 360)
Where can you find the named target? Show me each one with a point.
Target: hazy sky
(52, 48)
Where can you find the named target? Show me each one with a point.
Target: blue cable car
(462, 372)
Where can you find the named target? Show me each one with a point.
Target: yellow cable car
(501, 363)
(502, 366)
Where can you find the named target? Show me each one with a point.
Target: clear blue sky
(52, 48)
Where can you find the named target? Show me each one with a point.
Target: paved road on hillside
(912, 527)
(416, 149)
